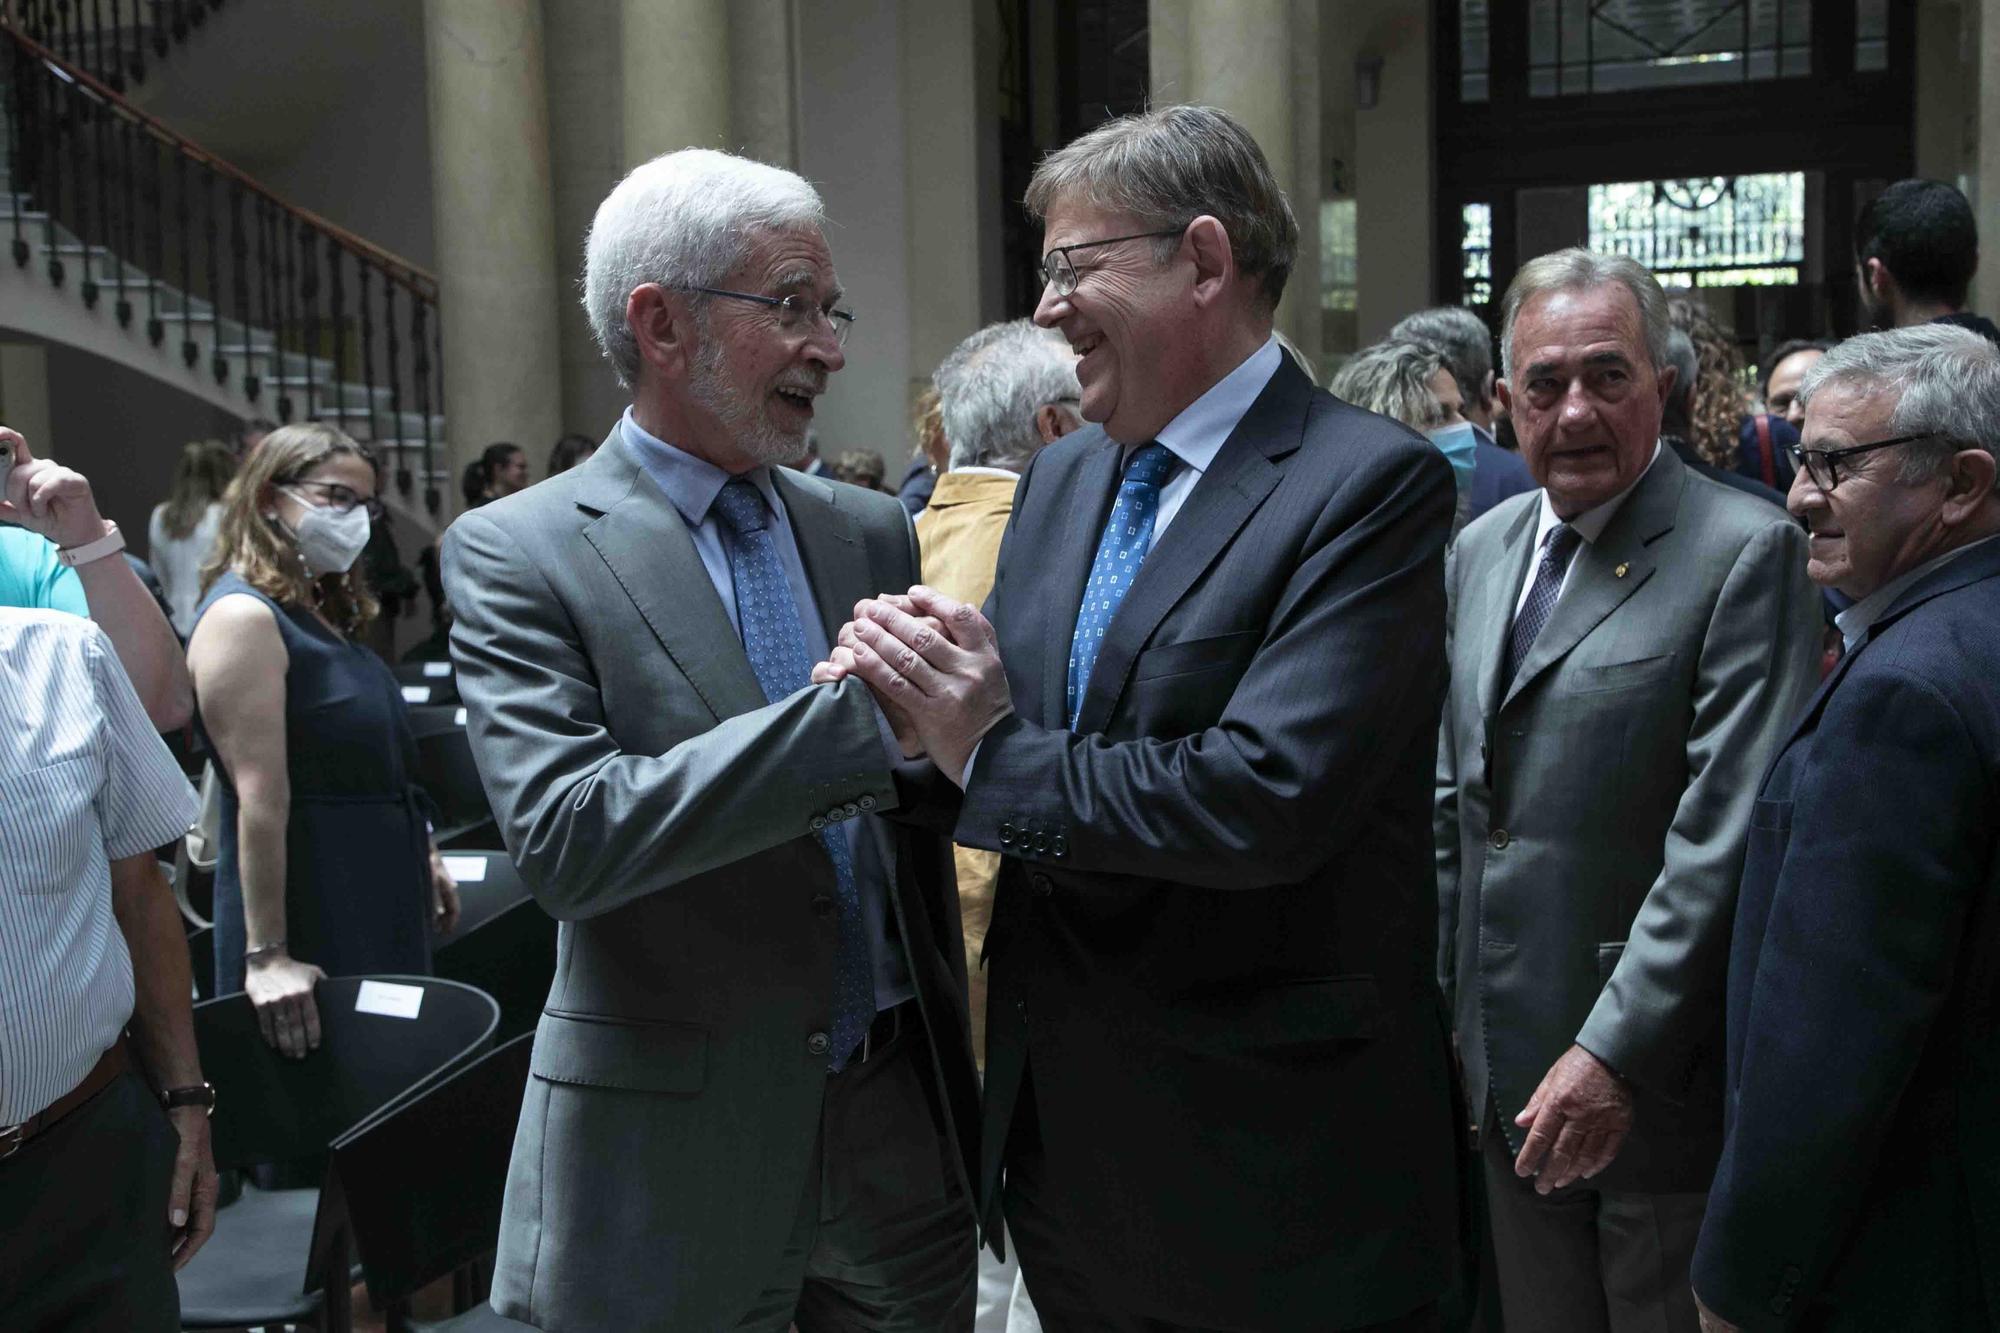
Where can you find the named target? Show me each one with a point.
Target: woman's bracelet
(262, 950)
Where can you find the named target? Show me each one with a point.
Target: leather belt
(883, 1032)
(108, 1067)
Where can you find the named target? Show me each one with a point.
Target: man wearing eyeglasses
(1199, 732)
(753, 1103)
(1860, 1182)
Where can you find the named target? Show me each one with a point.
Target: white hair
(1947, 385)
(1577, 270)
(684, 219)
(991, 386)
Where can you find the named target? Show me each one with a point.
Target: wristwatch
(201, 1094)
(111, 543)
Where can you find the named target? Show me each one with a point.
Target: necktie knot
(1561, 543)
(741, 506)
(1148, 465)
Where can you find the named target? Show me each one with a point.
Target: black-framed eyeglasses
(340, 499)
(1823, 465)
(795, 312)
(1056, 268)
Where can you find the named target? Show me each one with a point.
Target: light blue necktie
(775, 643)
(1128, 535)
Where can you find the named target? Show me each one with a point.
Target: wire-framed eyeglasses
(1823, 465)
(1056, 268)
(341, 498)
(795, 312)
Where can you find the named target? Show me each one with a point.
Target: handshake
(932, 665)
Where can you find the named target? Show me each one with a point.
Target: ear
(1214, 263)
(1053, 421)
(1875, 275)
(1503, 395)
(1968, 485)
(662, 323)
(1668, 377)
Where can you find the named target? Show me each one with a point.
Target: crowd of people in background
(1684, 962)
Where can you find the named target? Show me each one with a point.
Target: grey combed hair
(1166, 167)
(1575, 270)
(684, 219)
(991, 386)
(1947, 385)
(1394, 378)
(1464, 341)
(1686, 363)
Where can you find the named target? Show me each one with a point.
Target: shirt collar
(1858, 619)
(1197, 435)
(690, 483)
(1590, 524)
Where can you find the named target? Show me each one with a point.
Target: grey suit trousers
(1584, 1260)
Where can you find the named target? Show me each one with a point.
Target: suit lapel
(830, 544)
(1608, 570)
(1493, 613)
(1223, 498)
(645, 543)
(1083, 513)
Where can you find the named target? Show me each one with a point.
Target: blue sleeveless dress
(357, 868)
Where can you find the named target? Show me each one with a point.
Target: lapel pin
(1620, 571)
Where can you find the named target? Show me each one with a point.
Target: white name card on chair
(465, 869)
(458, 718)
(416, 694)
(436, 669)
(389, 999)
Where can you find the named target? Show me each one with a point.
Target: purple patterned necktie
(1557, 548)
(1128, 536)
(775, 643)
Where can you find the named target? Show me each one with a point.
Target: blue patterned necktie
(1557, 548)
(1128, 535)
(775, 642)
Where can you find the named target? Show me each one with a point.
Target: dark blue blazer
(1496, 474)
(1859, 1187)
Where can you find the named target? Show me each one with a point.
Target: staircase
(114, 40)
(126, 233)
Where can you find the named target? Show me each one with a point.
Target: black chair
(446, 772)
(512, 957)
(427, 683)
(421, 1184)
(488, 884)
(281, 1256)
(429, 719)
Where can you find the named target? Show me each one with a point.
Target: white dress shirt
(1589, 525)
(1197, 435)
(1856, 620)
(84, 781)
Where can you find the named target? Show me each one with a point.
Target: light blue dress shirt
(692, 484)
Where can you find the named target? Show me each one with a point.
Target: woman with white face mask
(326, 867)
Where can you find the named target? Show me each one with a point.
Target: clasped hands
(932, 664)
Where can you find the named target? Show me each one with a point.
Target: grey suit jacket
(1591, 823)
(664, 813)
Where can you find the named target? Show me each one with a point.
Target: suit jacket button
(1042, 884)
(1059, 845)
(1041, 842)
(816, 823)
(866, 803)
(822, 905)
(1780, 1304)
(851, 809)
(1006, 835)
(818, 1044)
(1498, 839)
(835, 815)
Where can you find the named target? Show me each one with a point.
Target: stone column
(763, 81)
(1986, 200)
(1247, 57)
(676, 76)
(587, 150)
(495, 231)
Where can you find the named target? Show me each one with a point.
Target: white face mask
(330, 541)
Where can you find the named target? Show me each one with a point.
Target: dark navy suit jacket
(1496, 474)
(1860, 1184)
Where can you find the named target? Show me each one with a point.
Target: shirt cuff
(965, 778)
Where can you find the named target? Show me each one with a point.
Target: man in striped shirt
(103, 1193)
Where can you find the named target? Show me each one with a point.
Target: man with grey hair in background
(1860, 1179)
(1004, 393)
(1629, 646)
(1466, 344)
(752, 1103)
(1199, 731)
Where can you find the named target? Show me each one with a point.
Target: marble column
(495, 230)
(676, 76)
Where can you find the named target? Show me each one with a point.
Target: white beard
(748, 423)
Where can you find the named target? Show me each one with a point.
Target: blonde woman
(326, 867)
(181, 533)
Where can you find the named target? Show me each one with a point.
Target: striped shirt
(84, 781)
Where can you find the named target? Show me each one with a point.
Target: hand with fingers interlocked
(932, 663)
(1576, 1122)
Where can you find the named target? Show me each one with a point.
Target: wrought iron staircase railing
(112, 39)
(270, 296)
